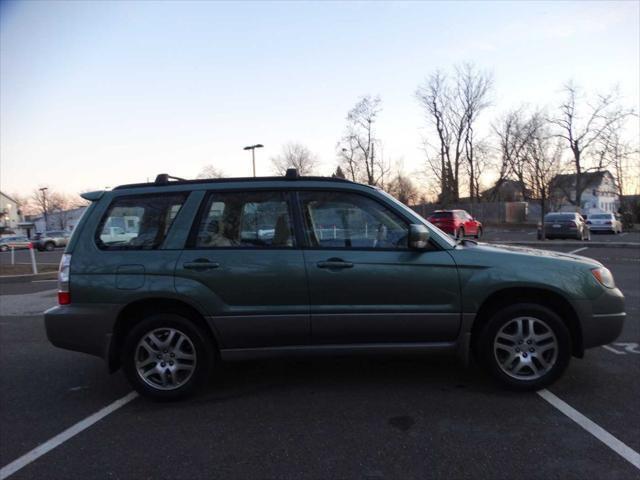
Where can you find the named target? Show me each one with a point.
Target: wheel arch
(134, 312)
(545, 297)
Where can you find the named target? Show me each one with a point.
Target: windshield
(441, 215)
(606, 216)
(434, 230)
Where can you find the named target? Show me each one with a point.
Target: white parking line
(612, 350)
(594, 429)
(59, 439)
(578, 250)
(623, 234)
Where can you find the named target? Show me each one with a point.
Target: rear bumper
(602, 228)
(602, 320)
(83, 328)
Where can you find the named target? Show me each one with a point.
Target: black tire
(478, 235)
(4, 248)
(485, 346)
(49, 246)
(203, 351)
(460, 234)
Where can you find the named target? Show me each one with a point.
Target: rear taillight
(607, 223)
(573, 225)
(64, 296)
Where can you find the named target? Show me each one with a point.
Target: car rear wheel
(525, 346)
(49, 246)
(460, 233)
(479, 233)
(167, 357)
(3, 248)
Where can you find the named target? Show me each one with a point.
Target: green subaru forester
(163, 279)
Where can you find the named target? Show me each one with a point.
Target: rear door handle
(335, 263)
(200, 265)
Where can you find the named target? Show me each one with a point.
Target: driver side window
(347, 220)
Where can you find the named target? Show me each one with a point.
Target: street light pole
(44, 206)
(253, 154)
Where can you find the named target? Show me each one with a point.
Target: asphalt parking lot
(23, 256)
(340, 418)
(529, 234)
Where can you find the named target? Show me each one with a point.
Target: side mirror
(418, 237)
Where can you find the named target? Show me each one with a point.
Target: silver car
(51, 239)
(604, 222)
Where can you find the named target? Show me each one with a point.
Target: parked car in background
(199, 283)
(457, 223)
(566, 225)
(604, 222)
(51, 239)
(17, 242)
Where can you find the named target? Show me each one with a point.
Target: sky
(94, 94)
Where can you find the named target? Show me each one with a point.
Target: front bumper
(602, 320)
(83, 328)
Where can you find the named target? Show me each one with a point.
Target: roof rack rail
(163, 178)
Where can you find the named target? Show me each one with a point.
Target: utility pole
(253, 154)
(44, 206)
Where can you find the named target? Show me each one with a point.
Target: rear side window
(138, 223)
(245, 220)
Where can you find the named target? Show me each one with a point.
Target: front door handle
(200, 265)
(335, 263)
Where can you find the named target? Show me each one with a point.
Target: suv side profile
(51, 239)
(164, 279)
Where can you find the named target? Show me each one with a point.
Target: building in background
(10, 215)
(600, 193)
(59, 220)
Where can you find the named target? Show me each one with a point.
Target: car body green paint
(259, 302)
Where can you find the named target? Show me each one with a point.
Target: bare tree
(542, 159)
(403, 188)
(582, 122)
(472, 87)
(55, 206)
(209, 171)
(452, 107)
(357, 150)
(619, 155)
(295, 155)
(515, 131)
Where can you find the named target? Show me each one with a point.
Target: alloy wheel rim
(525, 348)
(165, 358)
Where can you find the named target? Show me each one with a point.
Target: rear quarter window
(138, 222)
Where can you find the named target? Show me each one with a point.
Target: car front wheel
(167, 357)
(525, 346)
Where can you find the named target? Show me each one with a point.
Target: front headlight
(604, 277)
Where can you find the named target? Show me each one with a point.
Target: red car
(457, 223)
